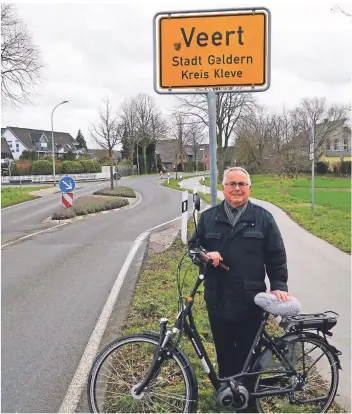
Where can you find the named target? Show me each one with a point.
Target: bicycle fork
(161, 354)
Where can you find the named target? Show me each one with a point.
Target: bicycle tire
(318, 380)
(113, 393)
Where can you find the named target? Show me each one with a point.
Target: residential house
(21, 139)
(169, 152)
(338, 145)
(102, 154)
(332, 142)
(5, 150)
(5, 155)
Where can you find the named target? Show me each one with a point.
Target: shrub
(81, 210)
(345, 167)
(322, 167)
(42, 167)
(58, 167)
(23, 167)
(342, 168)
(89, 204)
(69, 156)
(29, 155)
(116, 192)
(97, 166)
(72, 167)
(63, 213)
(88, 166)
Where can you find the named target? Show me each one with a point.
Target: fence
(104, 175)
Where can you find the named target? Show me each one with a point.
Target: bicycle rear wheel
(124, 363)
(317, 374)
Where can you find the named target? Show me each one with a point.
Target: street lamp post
(52, 137)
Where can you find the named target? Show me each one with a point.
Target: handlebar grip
(224, 266)
(207, 260)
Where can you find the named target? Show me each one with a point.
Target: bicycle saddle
(269, 303)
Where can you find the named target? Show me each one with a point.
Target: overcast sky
(92, 51)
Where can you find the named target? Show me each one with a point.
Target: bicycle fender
(292, 336)
(151, 333)
(333, 349)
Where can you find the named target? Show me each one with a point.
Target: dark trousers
(233, 341)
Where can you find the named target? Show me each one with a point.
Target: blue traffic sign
(67, 184)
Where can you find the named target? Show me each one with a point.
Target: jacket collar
(248, 215)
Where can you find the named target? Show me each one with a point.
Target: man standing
(246, 238)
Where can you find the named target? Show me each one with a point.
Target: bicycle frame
(191, 332)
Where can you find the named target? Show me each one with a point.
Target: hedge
(42, 167)
(72, 167)
(45, 167)
(90, 166)
(342, 168)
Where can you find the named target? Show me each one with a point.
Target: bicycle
(149, 372)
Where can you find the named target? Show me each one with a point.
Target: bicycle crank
(232, 396)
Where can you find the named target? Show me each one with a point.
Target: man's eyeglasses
(233, 184)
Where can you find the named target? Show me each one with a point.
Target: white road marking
(32, 234)
(80, 378)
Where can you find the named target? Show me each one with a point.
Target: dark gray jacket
(251, 249)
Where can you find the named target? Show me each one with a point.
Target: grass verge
(156, 297)
(14, 195)
(89, 204)
(331, 220)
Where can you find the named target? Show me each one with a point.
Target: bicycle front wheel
(124, 363)
(315, 384)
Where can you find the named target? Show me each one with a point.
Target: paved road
(320, 277)
(54, 288)
(22, 219)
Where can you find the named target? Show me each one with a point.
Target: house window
(345, 144)
(10, 144)
(17, 147)
(336, 144)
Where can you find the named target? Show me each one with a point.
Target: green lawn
(14, 195)
(331, 220)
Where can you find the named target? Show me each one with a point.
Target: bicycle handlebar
(202, 254)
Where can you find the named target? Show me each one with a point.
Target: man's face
(236, 195)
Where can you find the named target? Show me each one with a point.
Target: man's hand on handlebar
(216, 257)
(210, 258)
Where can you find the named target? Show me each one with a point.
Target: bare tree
(254, 139)
(195, 138)
(279, 141)
(142, 125)
(129, 121)
(158, 131)
(324, 118)
(231, 109)
(180, 130)
(145, 110)
(338, 8)
(106, 133)
(20, 59)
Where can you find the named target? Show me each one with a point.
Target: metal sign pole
(212, 145)
(311, 156)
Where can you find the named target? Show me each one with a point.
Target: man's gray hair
(228, 170)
